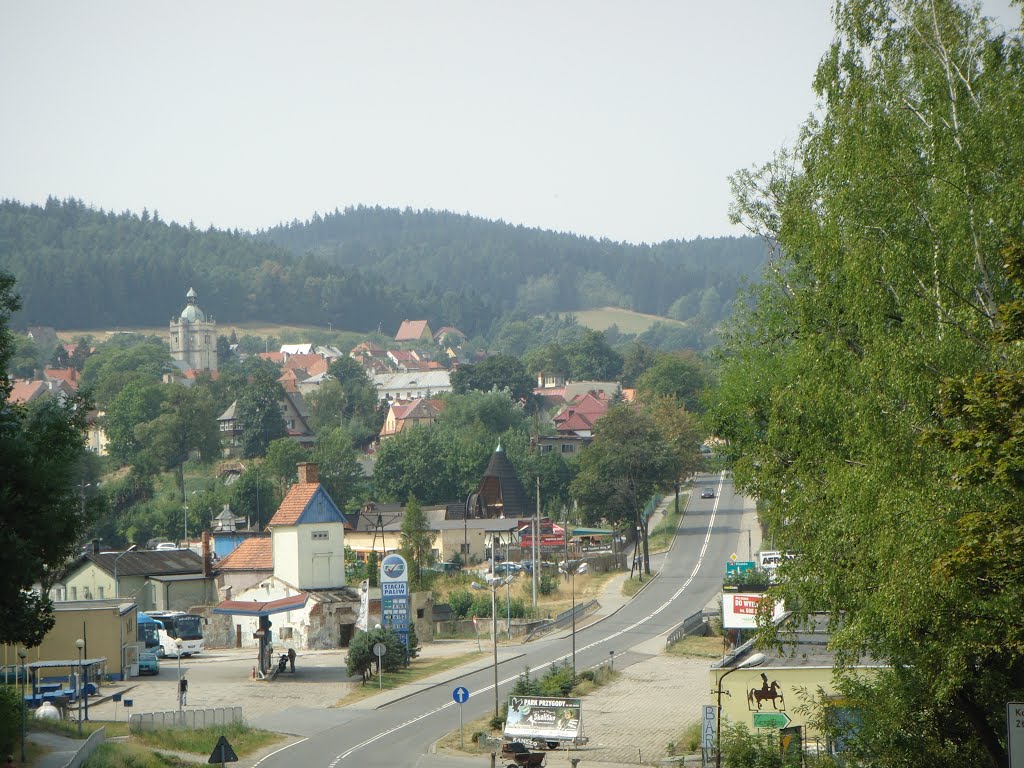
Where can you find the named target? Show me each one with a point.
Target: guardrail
(189, 718)
(690, 623)
(564, 619)
(85, 751)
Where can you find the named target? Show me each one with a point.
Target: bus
(161, 630)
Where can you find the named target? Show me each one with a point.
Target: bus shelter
(58, 689)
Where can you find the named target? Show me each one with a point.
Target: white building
(412, 385)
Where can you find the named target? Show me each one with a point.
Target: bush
(10, 718)
(548, 584)
(461, 601)
(558, 681)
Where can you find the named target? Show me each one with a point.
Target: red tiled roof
(253, 554)
(25, 391)
(274, 357)
(410, 330)
(575, 422)
(302, 361)
(68, 375)
(294, 504)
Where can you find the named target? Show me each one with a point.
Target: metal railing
(564, 619)
(189, 718)
(690, 623)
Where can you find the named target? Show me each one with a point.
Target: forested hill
(532, 270)
(79, 267)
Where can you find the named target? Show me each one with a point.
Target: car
(12, 673)
(444, 567)
(163, 546)
(707, 493)
(149, 664)
(506, 569)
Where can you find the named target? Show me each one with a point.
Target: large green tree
(258, 411)
(627, 461)
(41, 514)
(868, 394)
(416, 540)
(495, 372)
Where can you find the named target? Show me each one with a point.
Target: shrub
(10, 717)
(548, 584)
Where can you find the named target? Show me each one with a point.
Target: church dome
(192, 313)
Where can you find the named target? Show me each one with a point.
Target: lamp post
(571, 569)
(177, 643)
(117, 589)
(79, 644)
(493, 583)
(22, 653)
(754, 661)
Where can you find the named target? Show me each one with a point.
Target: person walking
(291, 658)
(183, 691)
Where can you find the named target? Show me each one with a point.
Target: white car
(165, 545)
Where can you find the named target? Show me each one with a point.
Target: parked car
(707, 493)
(444, 567)
(11, 673)
(506, 569)
(149, 664)
(165, 545)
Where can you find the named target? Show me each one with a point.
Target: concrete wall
(321, 561)
(286, 553)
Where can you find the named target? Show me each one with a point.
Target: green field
(626, 320)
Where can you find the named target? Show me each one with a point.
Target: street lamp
(79, 644)
(177, 643)
(117, 589)
(493, 583)
(22, 653)
(571, 568)
(754, 661)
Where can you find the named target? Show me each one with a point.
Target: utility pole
(536, 534)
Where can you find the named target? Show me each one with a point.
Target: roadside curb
(446, 681)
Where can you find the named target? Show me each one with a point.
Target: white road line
(276, 751)
(545, 665)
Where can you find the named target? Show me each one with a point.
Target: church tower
(193, 337)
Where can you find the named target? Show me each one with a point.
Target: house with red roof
(417, 412)
(414, 330)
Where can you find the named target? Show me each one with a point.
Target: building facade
(193, 336)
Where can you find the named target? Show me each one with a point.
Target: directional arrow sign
(223, 753)
(771, 720)
(460, 695)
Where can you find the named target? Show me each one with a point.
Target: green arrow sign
(771, 720)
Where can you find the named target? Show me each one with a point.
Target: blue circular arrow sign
(460, 695)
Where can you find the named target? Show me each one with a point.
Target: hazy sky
(609, 119)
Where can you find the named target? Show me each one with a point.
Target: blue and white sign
(394, 595)
(461, 695)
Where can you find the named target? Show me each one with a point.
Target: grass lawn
(418, 670)
(700, 647)
(626, 320)
(631, 586)
(243, 739)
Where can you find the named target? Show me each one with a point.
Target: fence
(189, 718)
(85, 751)
(690, 623)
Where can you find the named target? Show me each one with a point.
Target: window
(568, 448)
(419, 613)
(285, 633)
(74, 593)
(544, 448)
(321, 535)
(100, 591)
(464, 548)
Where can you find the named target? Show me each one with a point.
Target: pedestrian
(291, 658)
(183, 691)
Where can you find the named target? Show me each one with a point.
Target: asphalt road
(400, 733)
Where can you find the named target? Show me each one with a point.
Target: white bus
(171, 626)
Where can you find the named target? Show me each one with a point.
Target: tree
(591, 358)
(867, 397)
(259, 413)
(416, 540)
(495, 372)
(340, 473)
(638, 358)
(137, 403)
(187, 423)
(282, 461)
(676, 374)
(620, 470)
(41, 521)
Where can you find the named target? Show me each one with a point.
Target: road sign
(460, 695)
(709, 727)
(734, 557)
(223, 753)
(379, 649)
(1015, 733)
(771, 720)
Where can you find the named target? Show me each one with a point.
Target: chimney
(206, 554)
(309, 472)
(95, 546)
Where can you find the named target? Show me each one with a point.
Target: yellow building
(782, 693)
(107, 628)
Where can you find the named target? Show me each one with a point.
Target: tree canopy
(870, 389)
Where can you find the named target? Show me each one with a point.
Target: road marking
(547, 664)
(276, 751)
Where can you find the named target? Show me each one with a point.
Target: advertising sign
(739, 609)
(541, 717)
(394, 595)
(769, 560)
(547, 540)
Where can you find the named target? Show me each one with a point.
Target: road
(400, 733)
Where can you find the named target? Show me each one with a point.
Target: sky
(608, 119)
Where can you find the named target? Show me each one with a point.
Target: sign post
(394, 596)
(460, 695)
(379, 650)
(222, 753)
(777, 720)
(708, 729)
